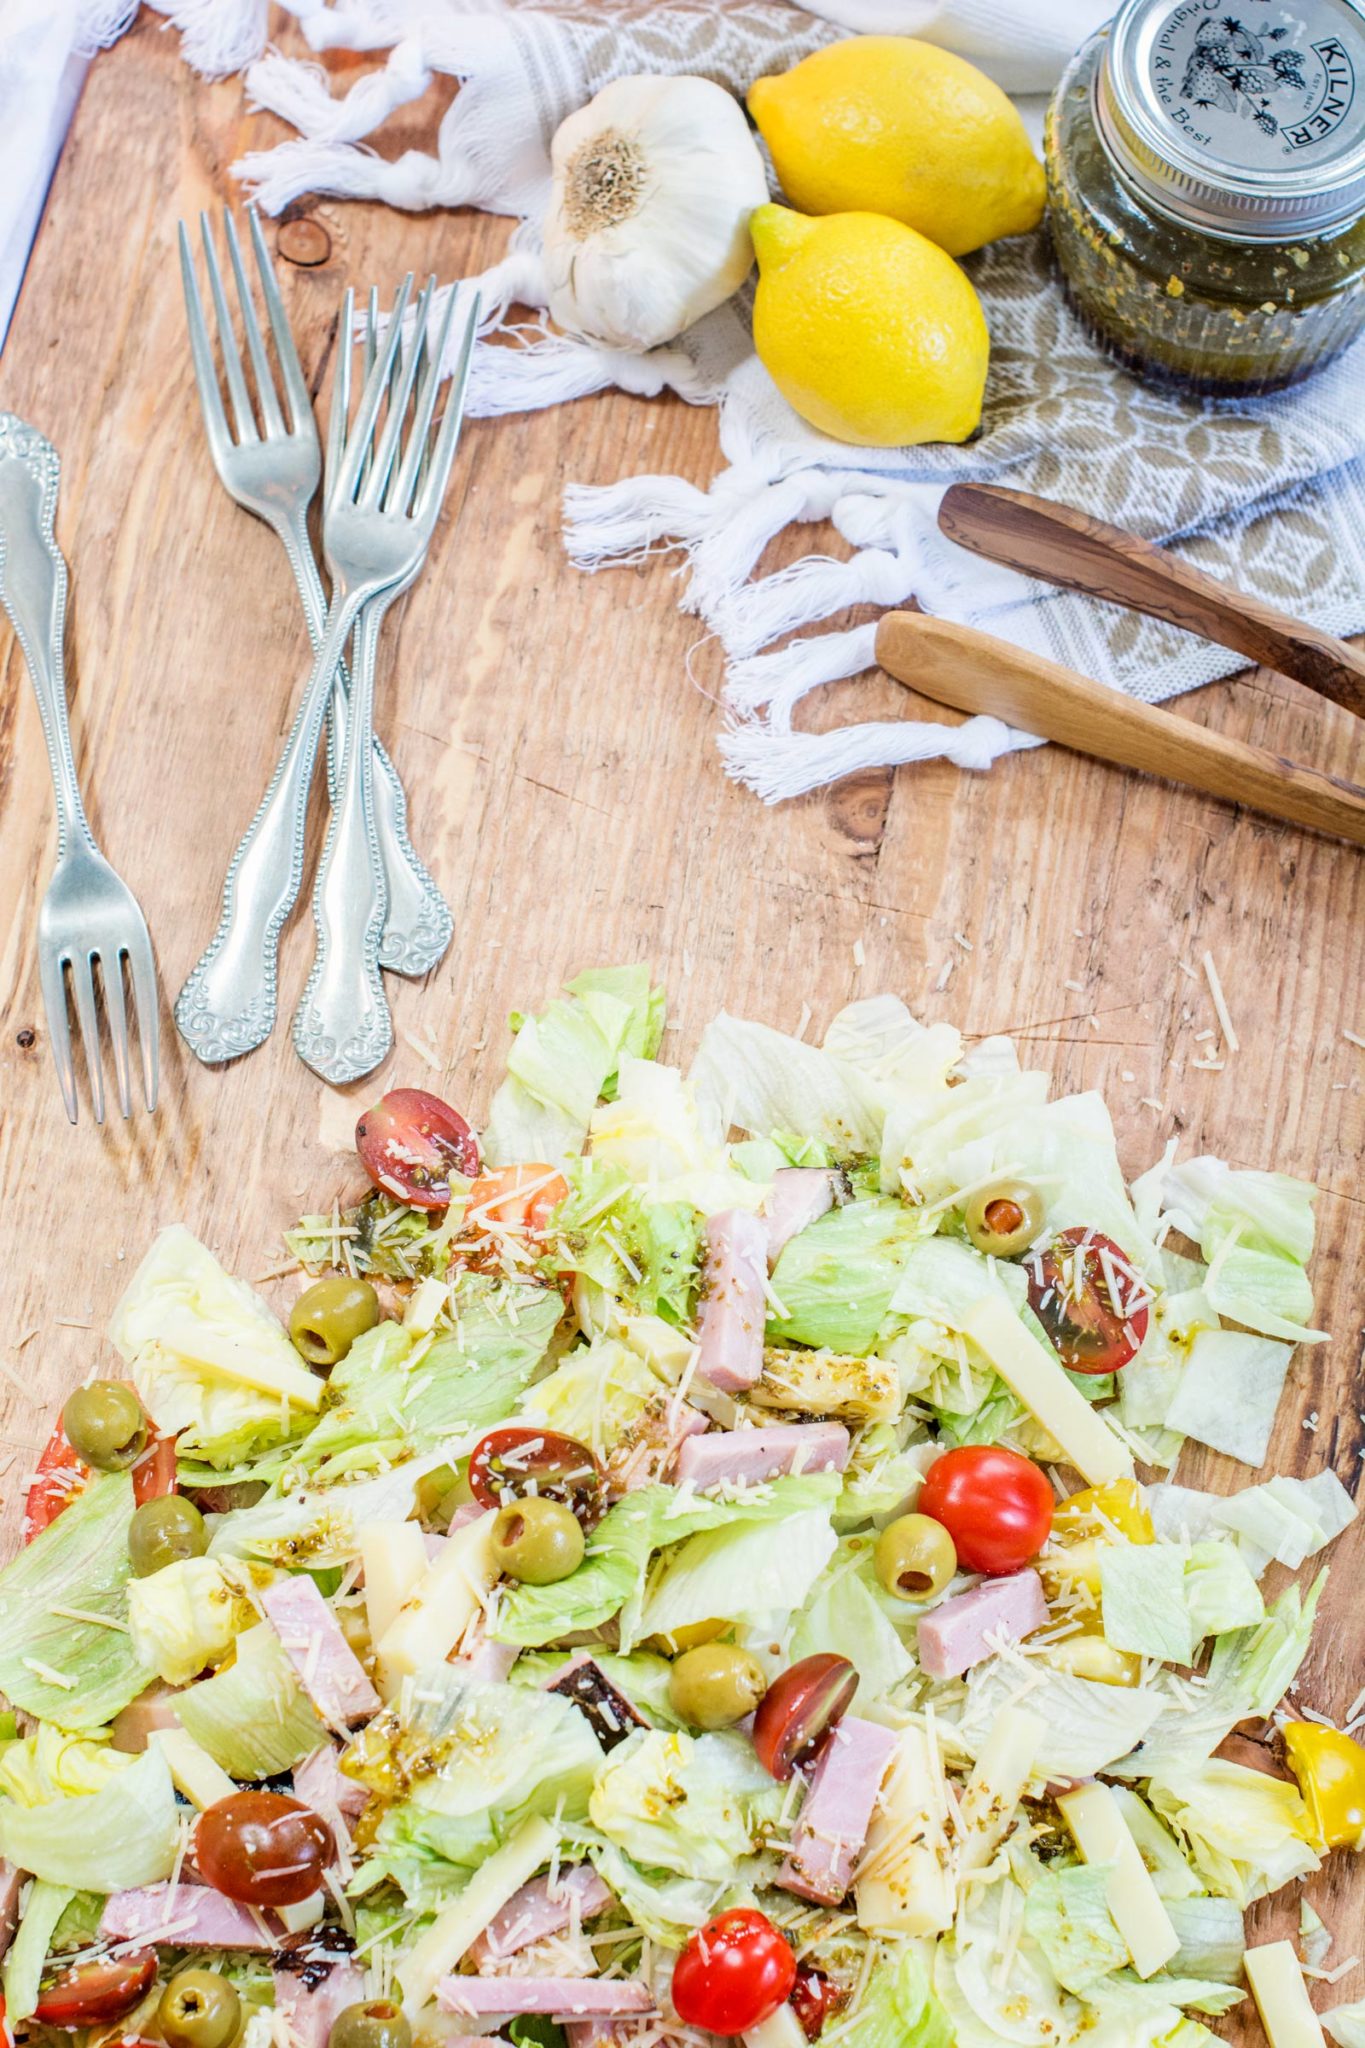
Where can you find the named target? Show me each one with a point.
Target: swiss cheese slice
(1038, 1379)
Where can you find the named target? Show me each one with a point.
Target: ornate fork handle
(228, 1004)
(33, 590)
(418, 925)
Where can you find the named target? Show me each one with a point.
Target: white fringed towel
(1269, 493)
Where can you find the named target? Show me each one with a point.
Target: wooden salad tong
(976, 672)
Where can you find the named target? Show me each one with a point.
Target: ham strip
(800, 1196)
(538, 1910)
(837, 1811)
(558, 1998)
(747, 1456)
(482, 1660)
(953, 1636)
(648, 1449)
(145, 1717)
(328, 1669)
(308, 2008)
(733, 1306)
(186, 1916)
(320, 1783)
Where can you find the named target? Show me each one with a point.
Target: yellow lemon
(868, 329)
(887, 124)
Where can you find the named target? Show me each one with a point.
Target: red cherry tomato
(799, 1707)
(1084, 1292)
(733, 1974)
(60, 1475)
(509, 1463)
(996, 1506)
(93, 1994)
(263, 1848)
(814, 1998)
(518, 1198)
(410, 1143)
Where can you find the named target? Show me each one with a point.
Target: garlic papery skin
(647, 227)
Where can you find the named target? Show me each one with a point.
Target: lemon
(887, 124)
(867, 328)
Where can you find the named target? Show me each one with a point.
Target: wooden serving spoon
(973, 671)
(1066, 547)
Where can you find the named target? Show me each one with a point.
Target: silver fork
(89, 917)
(342, 1028)
(276, 476)
(228, 1004)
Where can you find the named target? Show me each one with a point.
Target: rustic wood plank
(567, 791)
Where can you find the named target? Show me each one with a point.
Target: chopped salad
(701, 1561)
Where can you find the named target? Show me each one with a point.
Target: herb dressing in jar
(1206, 188)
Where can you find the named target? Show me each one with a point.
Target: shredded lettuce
(1067, 1914)
(1345, 2024)
(565, 1059)
(1256, 1232)
(1220, 1592)
(77, 1673)
(253, 1718)
(1143, 1600)
(1246, 1832)
(1212, 1937)
(689, 1804)
(739, 1570)
(125, 1834)
(53, 1763)
(764, 1081)
(655, 1131)
(640, 1251)
(320, 1526)
(835, 1280)
(23, 1968)
(664, 1906)
(898, 2008)
(185, 1616)
(1230, 1392)
(1089, 1726)
(843, 1613)
(1286, 1519)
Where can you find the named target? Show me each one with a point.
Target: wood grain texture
(1072, 549)
(978, 673)
(567, 792)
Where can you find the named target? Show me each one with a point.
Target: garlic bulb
(647, 228)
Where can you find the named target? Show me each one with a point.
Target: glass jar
(1206, 189)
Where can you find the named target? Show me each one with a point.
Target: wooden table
(567, 790)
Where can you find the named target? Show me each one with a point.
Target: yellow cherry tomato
(1330, 1768)
(1090, 1656)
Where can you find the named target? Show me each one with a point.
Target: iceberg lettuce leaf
(1067, 1914)
(835, 1280)
(689, 1804)
(1230, 1392)
(898, 2008)
(564, 1060)
(23, 1967)
(125, 1834)
(254, 1718)
(1246, 1832)
(765, 1081)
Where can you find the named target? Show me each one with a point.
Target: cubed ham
(328, 1669)
(800, 1195)
(11, 1884)
(733, 1306)
(186, 1916)
(647, 1449)
(540, 1909)
(953, 1636)
(320, 1782)
(144, 1717)
(558, 1998)
(311, 1988)
(583, 1681)
(743, 1457)
(837, 1811)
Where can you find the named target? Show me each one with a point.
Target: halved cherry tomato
(734, 1973)
(93, 1994)
(814, 1998)
(996, 1506)
(263, 1848)
(799, 1708)
(410, 1142)
(511, 1462)
(519, 1198)
(1084, 1292)
(60, 1475)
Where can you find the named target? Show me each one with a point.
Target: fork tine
(341, 396)
(111, 975)
(375, 386)
(260, 361)
(53, 982)
(401, 491)
(291, 369)
(87, 1016)
(232, 356)
(396, 417)
(142, 973)
(201, 353)
(433, 489)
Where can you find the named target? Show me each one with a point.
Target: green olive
(328, 1317)
(105, 1425)
(715, 1685)
(1004, 1217)
(536, 1541)
(199, 2009)
(375, 2023)
(915, 1557)
(164, 1531)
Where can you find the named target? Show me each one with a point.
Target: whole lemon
(887, 124)
(867, 328)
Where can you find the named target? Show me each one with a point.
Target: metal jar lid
(1246, 121)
